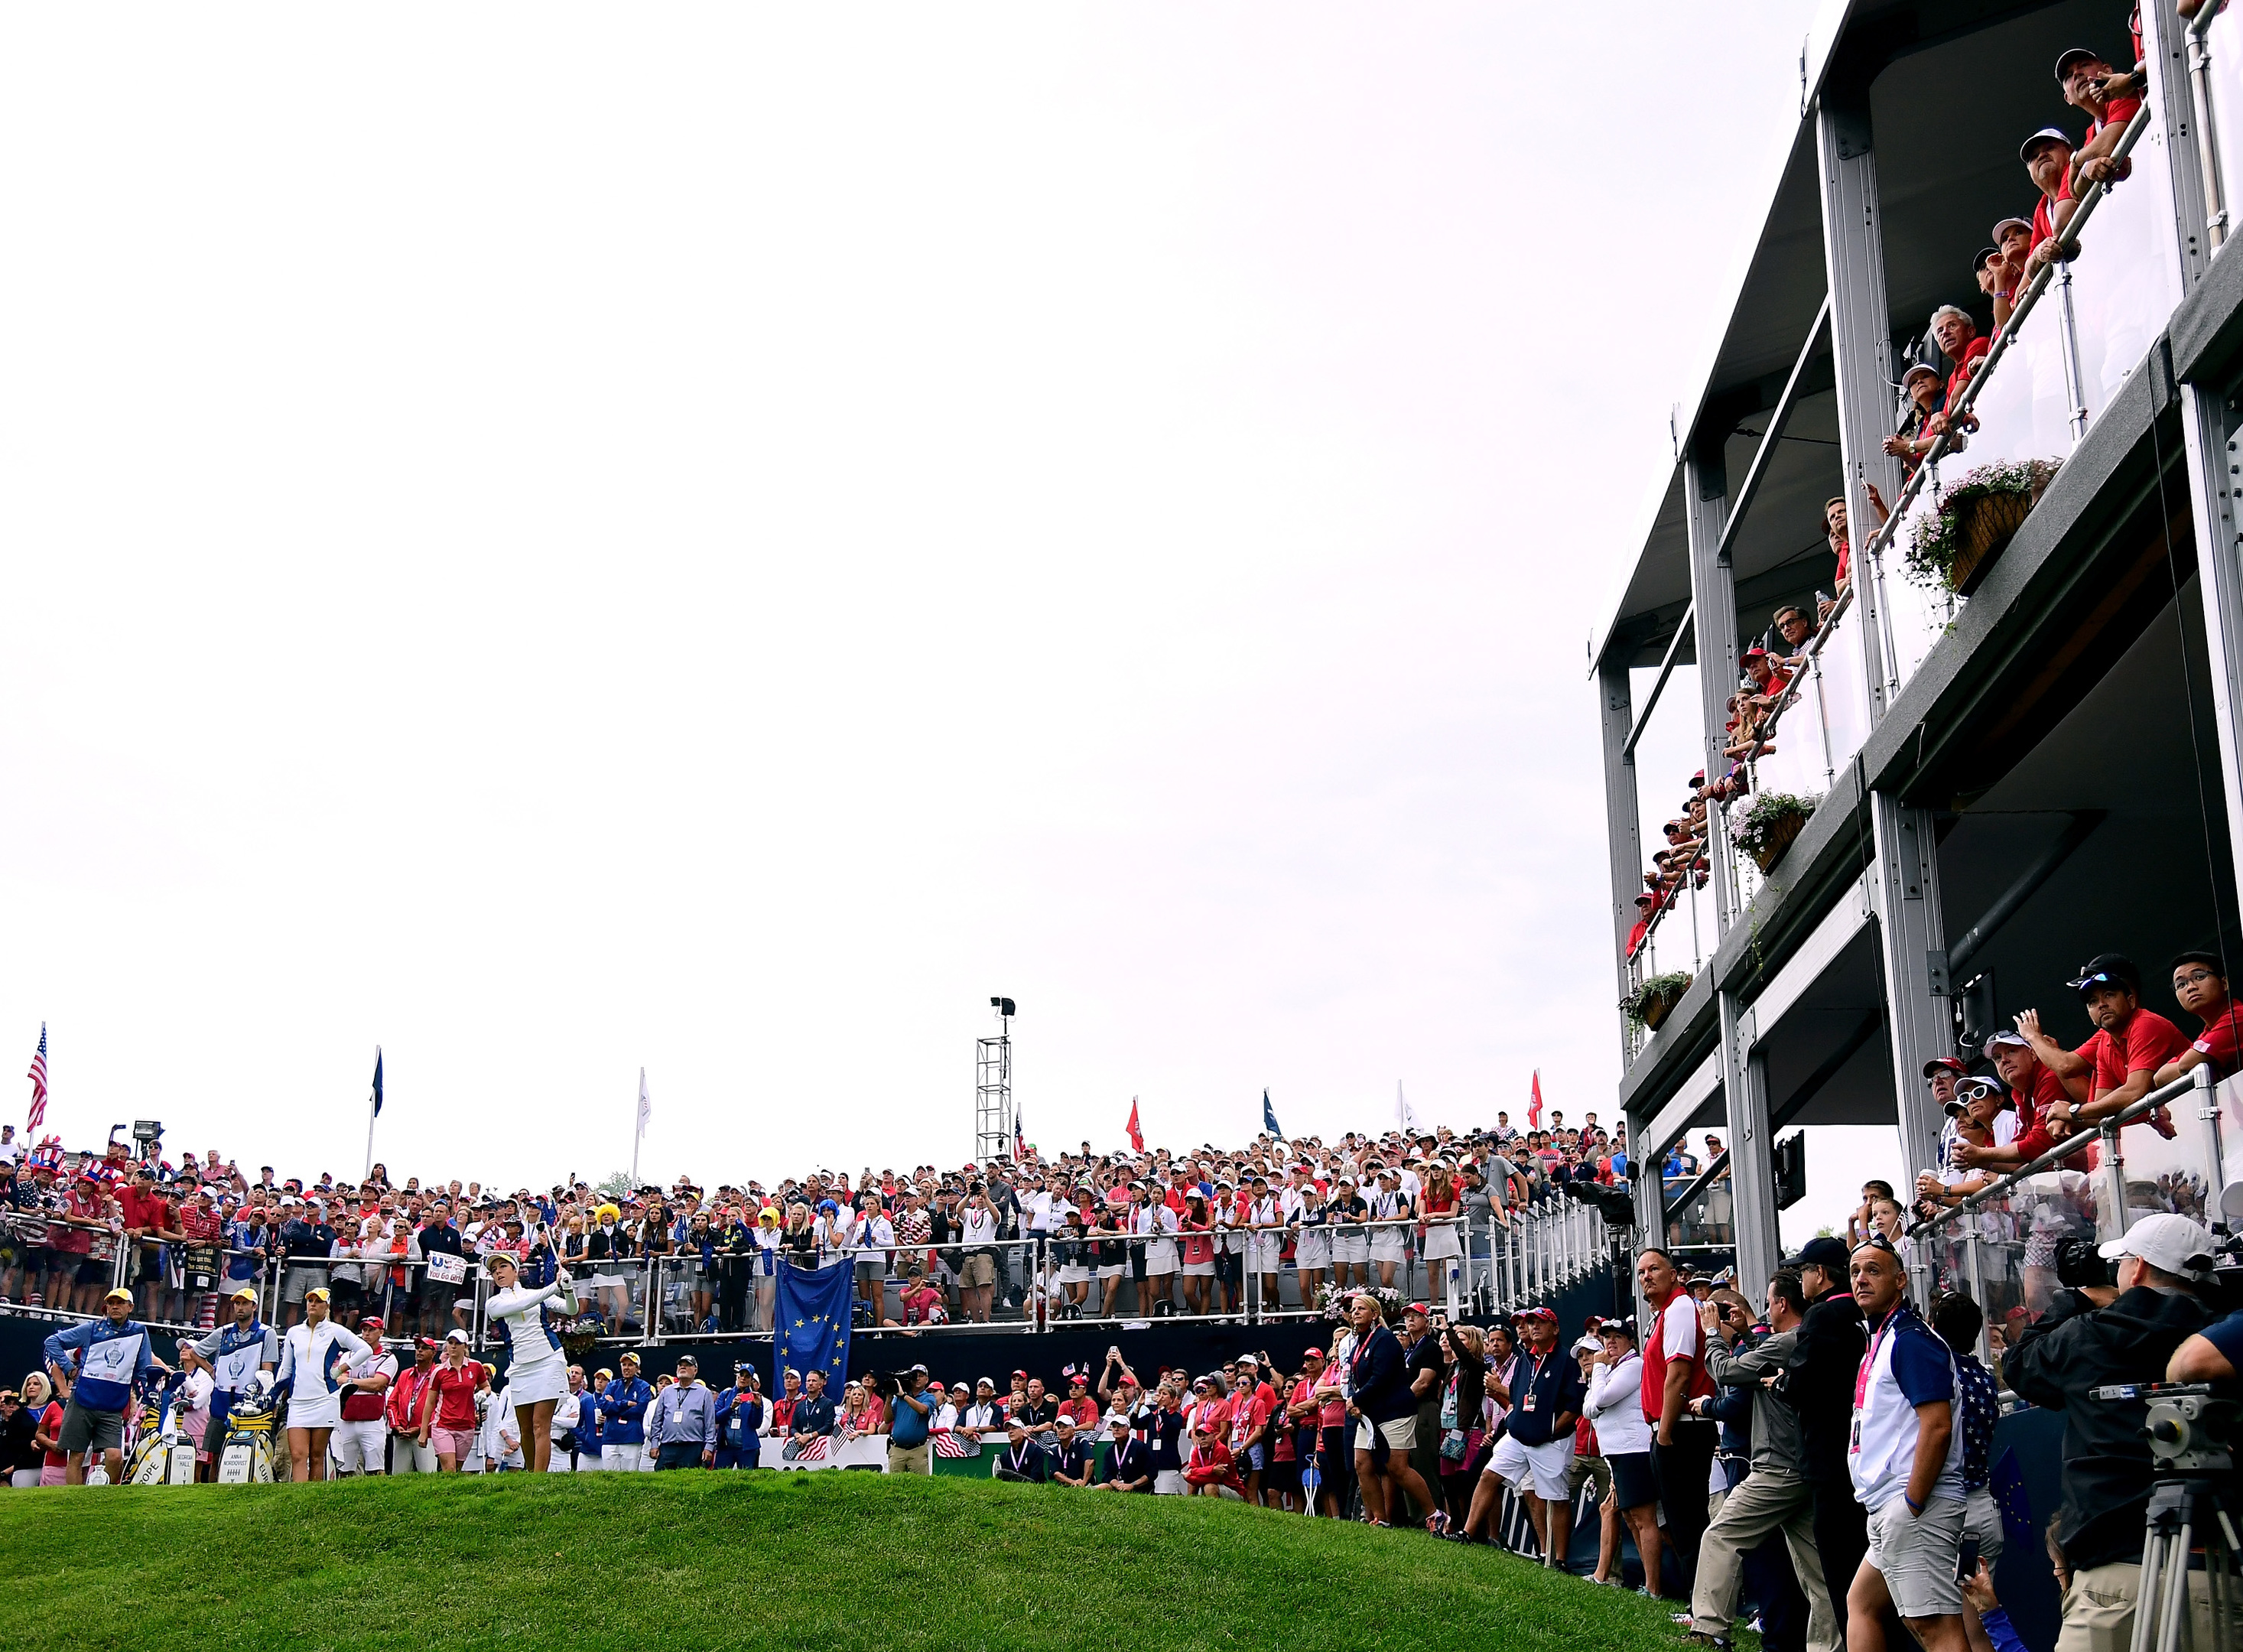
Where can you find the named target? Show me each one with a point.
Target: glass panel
(2223, 42)
(2127, 281)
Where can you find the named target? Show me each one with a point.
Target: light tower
(993, 1088)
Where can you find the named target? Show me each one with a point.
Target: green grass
(824, 1561)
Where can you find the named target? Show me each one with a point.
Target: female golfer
(537, 1375)
(315, 1358)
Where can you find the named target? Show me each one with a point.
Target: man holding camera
(2057, 1362)
(908, 1427)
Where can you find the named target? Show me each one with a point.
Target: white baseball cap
(2171, 1243)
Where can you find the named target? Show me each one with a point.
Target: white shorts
(1541, 1469)
(1169, 1482)
(620, 1459)
(314, 1410)
(409, 1456)
(547, 1380)
(360, 1448)
(1351, 1247)
(1267, 1248)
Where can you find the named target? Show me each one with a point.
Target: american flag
(38, 1076)
(812, 1451)
(952, 1443)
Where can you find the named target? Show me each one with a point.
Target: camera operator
(2077, 1347)
(912, 1414)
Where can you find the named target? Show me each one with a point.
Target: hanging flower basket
(1770, 827)
(1973, 521)
(1654, 999)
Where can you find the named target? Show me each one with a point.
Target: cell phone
(1966, 1567)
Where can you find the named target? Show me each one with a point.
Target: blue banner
(813, 1324)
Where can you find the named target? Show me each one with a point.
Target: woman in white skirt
(315, 1356)
(1312, 1244)
(1390, 1205)
(537, 1374)
(1266, 1217)
(1440, 1206)
(1350, 1243)
(1111, 1256)
(1156, 1224)
(1199, 1251)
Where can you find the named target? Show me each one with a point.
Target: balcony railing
(2163, 1153)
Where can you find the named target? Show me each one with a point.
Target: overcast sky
(559, 541)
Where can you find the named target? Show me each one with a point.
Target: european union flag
(2007, 1484)
(813, 1324)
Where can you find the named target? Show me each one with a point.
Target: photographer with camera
(912, 1417)
(2078, 1346)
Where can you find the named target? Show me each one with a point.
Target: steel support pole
(1912, 938)
(1752, 1152)
(1860, 345)
(1713, 606)
(1911, 943)
(1623, 835)
(2214, 436)
(2166, 54)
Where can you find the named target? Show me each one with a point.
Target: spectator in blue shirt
(684, 1426)
(912, 1417)
(622, 1417)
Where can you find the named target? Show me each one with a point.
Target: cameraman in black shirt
(2057, 1362)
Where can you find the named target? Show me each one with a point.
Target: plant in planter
(1653, 997)
(1956, 542)
(1767, 827)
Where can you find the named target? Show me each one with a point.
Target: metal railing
(2000, 1241)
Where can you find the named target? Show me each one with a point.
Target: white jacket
(1614, 1408)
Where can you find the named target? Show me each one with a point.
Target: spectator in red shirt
(147, 1217)
(2013, 241)
(2130, 1043)
(2199, 982)
(1959, 340)
(2047, 156)
(451, 1427)
(2038, 1094)
(2111, 101)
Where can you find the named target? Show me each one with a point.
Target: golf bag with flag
(162, 1455)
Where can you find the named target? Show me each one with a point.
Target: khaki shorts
(1917, 1555)
(977, 1271)
(1589, 1471)
(1400, 1434)
(907, 1459)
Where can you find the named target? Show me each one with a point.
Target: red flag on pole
(1534, 1106)
(1136, 1135)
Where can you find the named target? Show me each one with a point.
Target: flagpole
(373, 1106)
(639, 1133)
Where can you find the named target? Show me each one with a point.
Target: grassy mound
(824, 1563)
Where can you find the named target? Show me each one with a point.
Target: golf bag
(247, 1458)
(162, 1456)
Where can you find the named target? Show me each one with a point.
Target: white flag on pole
(645, 1106)
(1404, 1119)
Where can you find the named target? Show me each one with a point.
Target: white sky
(559, 540)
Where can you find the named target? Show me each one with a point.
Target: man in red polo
(2043, 1109)
(2047, 156)
(1957, 335)
(2110, 100)
(1673, 1375)
(2199, 981)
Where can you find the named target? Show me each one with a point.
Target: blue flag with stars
(2009, 1489)
(813, 1324)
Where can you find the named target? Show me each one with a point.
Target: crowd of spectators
(1077, 1234)
(2057, 169)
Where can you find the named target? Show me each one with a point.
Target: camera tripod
(2180, 1508)
(2188, 1432)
